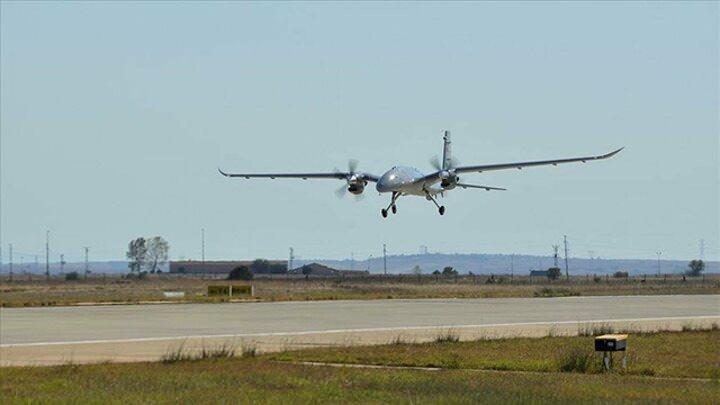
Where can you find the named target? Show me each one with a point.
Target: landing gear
(441, 208)
(392, 205)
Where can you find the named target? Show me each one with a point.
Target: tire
(442, 210)
(384, 213)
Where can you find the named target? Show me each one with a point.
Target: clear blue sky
(115, 117)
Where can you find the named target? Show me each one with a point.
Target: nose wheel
(383, 212)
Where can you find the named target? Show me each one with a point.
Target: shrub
(554, 273)
(596, 330)
(576, 360)
(621, 274)
(240, 273)
(72, 276)
(447, 337)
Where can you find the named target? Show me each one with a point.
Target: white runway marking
(361, 330)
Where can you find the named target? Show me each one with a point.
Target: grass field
(263, 379)
(692, 354)
(38, 292)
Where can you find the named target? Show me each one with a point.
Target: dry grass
(115, 290)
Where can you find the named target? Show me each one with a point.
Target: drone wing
(304, 176)
(520, 165)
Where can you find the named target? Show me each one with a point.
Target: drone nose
(381, 186)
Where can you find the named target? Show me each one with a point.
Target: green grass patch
(667, 354)
(254, 380)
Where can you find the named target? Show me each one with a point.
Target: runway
(144, 332)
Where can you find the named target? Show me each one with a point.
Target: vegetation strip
(471, 370)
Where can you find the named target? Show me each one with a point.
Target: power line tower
(87, 265)
(62, 264)
(385, 259)
(658, 262)
(567, 269)
(47, 255)
(10, 258)
(556, 248)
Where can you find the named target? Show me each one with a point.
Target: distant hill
(501, 264)
(477, 263)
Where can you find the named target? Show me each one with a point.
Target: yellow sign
(229, 290)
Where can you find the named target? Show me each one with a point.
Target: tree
(417, 270)
(72, 276)
(306, 270)
(240, 273)
(436, 272)
(695, 268)
(449, 271)
(137, 254)
(554, 273)
(157, 252)
(621, 274)
(262, 266)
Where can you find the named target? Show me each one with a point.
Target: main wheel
(442, 210)
(384, 213)
(394, 209)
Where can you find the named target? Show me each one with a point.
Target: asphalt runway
(53, 335)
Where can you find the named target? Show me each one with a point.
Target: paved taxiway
(145, 332)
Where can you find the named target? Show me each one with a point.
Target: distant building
(319, 270)
(222, 267)
(539, 273)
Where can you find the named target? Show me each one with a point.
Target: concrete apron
(153, 349)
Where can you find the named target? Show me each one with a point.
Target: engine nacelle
(356, 187)
(448, 180)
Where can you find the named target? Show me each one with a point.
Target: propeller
(435, 162)
(352, 172)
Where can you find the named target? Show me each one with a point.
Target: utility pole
(202, 231)
(702, 249)
(37, 264)
(658, 262)
(555, 253)
(10, 258)
(512, 266)
(292, 257)
(47, 255)
(567, 270)
(385, 258)
(62, 264)
(352, 260)
(87, 267)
